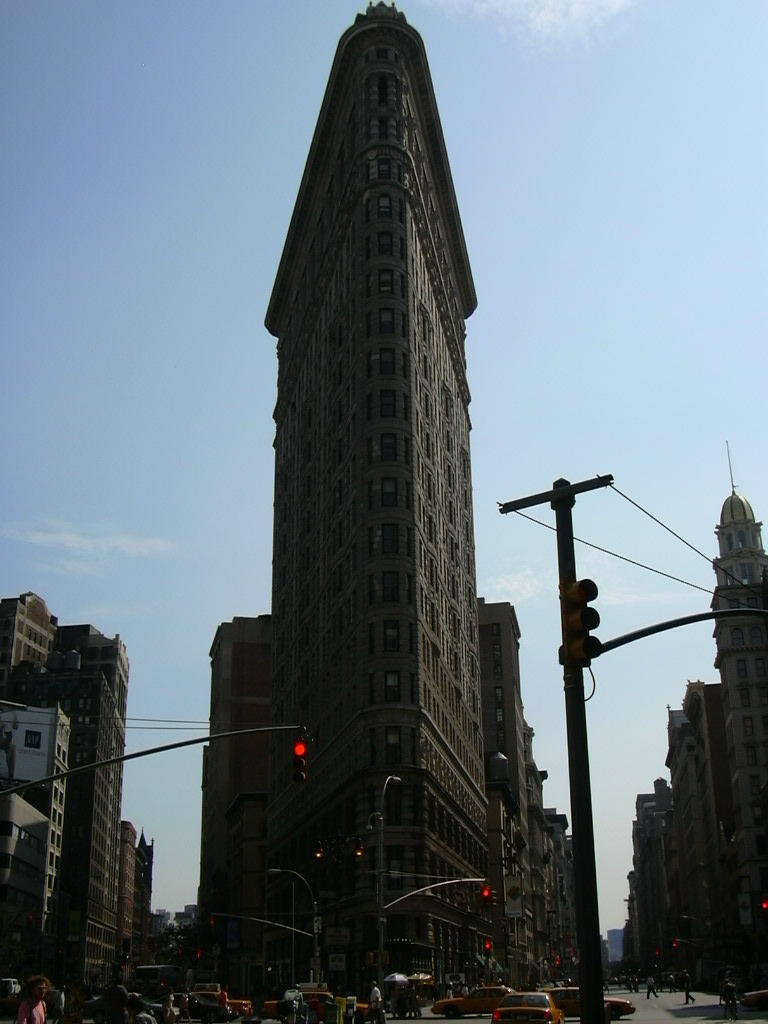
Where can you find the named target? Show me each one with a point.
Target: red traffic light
(488, 945)
(764, 903)
(299, 759)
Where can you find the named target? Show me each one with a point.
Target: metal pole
(380, 881)
(293, 932)
(585, 875)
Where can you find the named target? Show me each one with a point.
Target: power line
(669, 529)
(615, 554)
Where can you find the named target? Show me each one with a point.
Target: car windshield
(525, 999)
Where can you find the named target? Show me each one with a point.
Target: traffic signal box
(578, 619)
(300, 759)
(488, 946)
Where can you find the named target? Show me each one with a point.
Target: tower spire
(730, 467)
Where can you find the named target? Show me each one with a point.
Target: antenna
(730, 467)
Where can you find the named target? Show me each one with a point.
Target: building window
(390, 586)
(755, 635)
(389, 538)
(387, 403)
(741, 668)
(392, 744)
(384, 243)
(389, 491)
(760, 667)
(751, 755)
(744, 696)
(386, 321)
(737, 637)
(384, 167)
(386, 360)
(392, 686)
(392, 639)
(383, 92)
(749, 728)
(384, 207)
(386, 281)
(388, 447)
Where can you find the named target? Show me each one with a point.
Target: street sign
(337, 961)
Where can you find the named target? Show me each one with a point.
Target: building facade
(741, 569)
(234, 808)
(374, 613)
(86, 675)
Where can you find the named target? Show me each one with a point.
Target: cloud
(547, 18)
(516, 587)
(84, 549)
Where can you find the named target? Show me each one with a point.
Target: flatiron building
(374, 612)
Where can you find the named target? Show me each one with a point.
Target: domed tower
(742, 658)
(742, 558)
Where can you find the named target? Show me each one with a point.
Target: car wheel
(98, 1017)
(451, 1011)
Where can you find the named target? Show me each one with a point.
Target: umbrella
(396, 979)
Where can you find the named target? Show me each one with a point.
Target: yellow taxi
(569, 1001)
(528, 1006)
(479, 1000)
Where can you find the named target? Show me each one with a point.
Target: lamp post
(379, 815)
(315, 922)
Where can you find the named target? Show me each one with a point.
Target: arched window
(742, 538)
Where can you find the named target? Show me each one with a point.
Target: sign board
(27, 741)
(337, 961)
(337, 936)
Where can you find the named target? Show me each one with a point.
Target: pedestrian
(32, 1006)
(116, 1000)
(376, 1008)
(651, 987)
(183, 1006)
(687, 987)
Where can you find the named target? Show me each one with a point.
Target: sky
(609, 159)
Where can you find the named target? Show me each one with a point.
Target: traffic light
(488, 946)
(578, 618)
(675, 943)
(486, 893)
(300, 759)
(764, 904)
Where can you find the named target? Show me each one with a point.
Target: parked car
(95, 1009)
(479, 1000)
(757, 1000)
(240, 1006)
(205, 1007)
(568, 999)
(278, 1009)
(528, 1006)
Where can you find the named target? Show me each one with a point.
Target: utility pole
(562, 498)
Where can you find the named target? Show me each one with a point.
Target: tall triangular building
(373, 605)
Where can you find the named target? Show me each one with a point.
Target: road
(668, 1007)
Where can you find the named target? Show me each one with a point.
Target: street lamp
(315, 922)
(379, 815)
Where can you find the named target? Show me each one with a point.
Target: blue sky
(610, 162)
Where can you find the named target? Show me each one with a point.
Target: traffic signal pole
(562, 498)
(582, 827)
